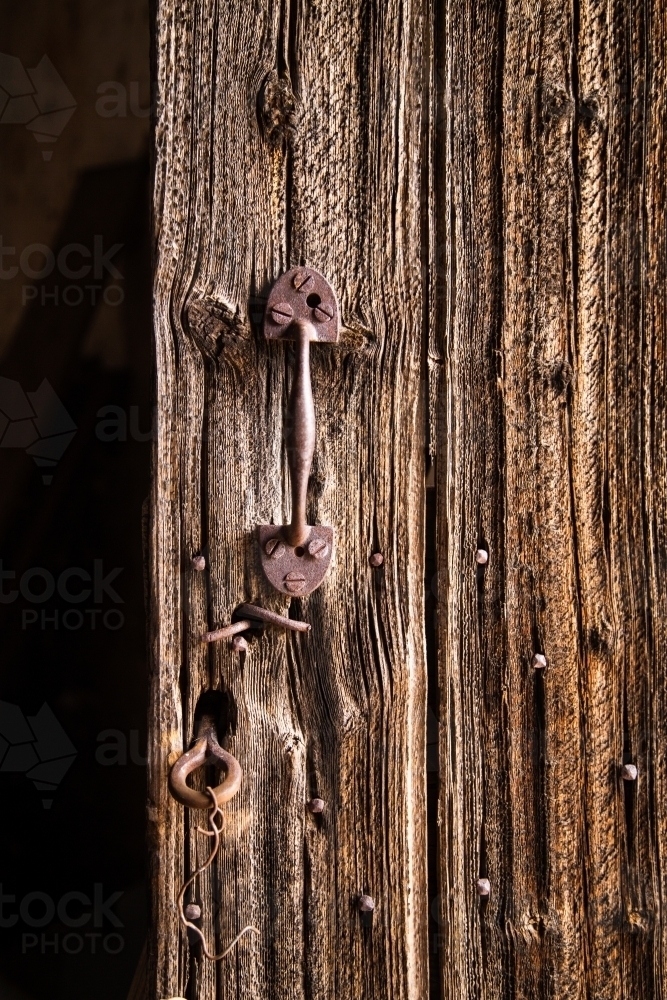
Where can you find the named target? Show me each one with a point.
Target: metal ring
(207, 744)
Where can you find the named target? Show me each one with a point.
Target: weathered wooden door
(483, 184)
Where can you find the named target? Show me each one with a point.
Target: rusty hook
(205, 745)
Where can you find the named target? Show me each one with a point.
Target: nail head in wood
(481, 557)
(539, 661)
(316, 805)
(192, 911)
(483, 887)
(629, 772)
(376, 559)
(199, 563)
(366, 904)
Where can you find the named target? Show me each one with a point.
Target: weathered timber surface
(549, 361)
(291, 134)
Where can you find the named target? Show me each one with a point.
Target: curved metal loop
(205, 746)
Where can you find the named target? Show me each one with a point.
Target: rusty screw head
(539, 661)
(282, 313)
(481, 557)
(316, 805)
(323, 312)
(629, 772)
(366, 904)
(192, 911)
(318, 548)
(376, 559)
(239, 644)
(483, 887)
(295, 582)
(198, 563)
(275, 548)
(302, 281)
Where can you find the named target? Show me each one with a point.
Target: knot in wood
(279, 109)
(588, 110)
(556, 103)
(215, 324)
(557, 373)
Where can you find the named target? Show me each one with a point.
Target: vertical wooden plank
(620, 423)
(544, 751)
(463, 356)
(551, 453)
(650, 270)
(504, 486)
(291, 133)
(597, 409)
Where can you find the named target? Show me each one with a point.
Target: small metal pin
(192, 911)
(539, 661)
(316, 805)
(239, 644)
(264, 615)
(481, 557)
(629, 772)
(258, 613)
(366, 904)
(226, 632)
(376, 559)
(199, 563)
(483, 887)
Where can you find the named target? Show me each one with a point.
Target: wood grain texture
(549, 362)
(291, 134)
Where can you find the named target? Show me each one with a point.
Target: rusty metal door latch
(302, 306)
(205, 747)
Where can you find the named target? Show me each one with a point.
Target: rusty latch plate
(302, 293)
